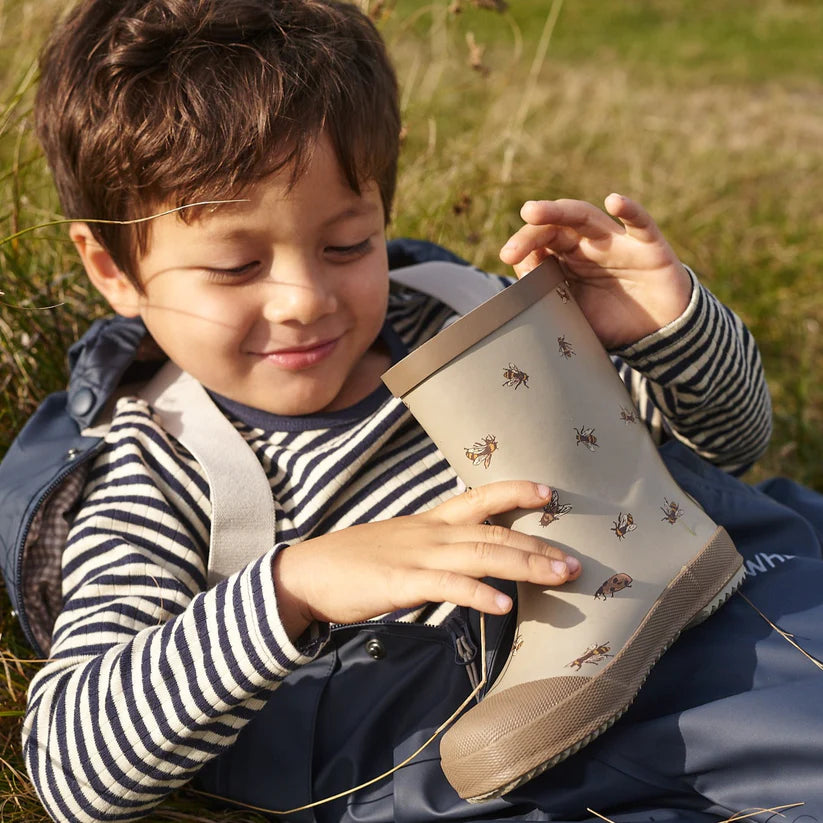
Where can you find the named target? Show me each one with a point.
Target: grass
(709, 113)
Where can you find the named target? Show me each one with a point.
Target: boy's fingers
(478, 504)
(437, 586)
(583, 217)
(534, 561)
(530, 244)
(636, 220)
(441, 586)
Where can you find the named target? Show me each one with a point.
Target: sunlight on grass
(708, 113)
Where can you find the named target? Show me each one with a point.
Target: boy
(327, 660)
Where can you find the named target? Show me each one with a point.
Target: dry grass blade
(747, 813)
(785, 635)
(742, 815)
(66, 220)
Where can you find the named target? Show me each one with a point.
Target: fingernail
(503, 601)
(509, 245)
(543, 490)
(572, 564)
(559, 567)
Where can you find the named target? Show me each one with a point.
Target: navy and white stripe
(700, 379)
(151, 675)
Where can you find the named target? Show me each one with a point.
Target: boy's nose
(300, 291)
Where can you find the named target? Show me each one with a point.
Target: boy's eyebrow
(361, 209)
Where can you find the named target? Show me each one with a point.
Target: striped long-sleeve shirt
(152, 674)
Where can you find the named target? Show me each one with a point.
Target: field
(709, 113)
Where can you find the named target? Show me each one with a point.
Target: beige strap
(242, 519)
(463, 288)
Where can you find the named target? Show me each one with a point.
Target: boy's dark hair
(144, 104)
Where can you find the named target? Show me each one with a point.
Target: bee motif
(623, 525)
(552, 510)
(594, 655)
(585, 435)
(515, 377)
(628, 416)
(671, 511)
(565, 347)
(482, 451)
(562, 293)
(617, 582)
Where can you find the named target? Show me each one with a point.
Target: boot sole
(516, 734)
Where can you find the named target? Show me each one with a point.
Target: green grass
(709, 113)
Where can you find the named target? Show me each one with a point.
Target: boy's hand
(625, 276)
(438, 556)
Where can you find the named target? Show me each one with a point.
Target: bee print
(594, 655)
(553, 510)
(562, 293)
(623, 525)
(565, 347)
(628, 416)
(585, 435)
(515, 377)
(616, 583)
(482, 451)
(672, 511)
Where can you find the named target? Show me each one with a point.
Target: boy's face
(277, 302)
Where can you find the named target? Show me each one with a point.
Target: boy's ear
(110, 280)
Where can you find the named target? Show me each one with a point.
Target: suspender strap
(242, 505)
(462, 288)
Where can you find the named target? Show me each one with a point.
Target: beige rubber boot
(521, 388)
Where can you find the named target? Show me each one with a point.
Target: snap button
(72, 453)
(375, 648)
(82, 402)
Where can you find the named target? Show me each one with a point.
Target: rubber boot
(522, 389)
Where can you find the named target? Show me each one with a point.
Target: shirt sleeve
(150, 675)
(700, 380)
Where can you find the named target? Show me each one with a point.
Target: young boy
(329, 659)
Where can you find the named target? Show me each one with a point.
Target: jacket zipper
(464, 646)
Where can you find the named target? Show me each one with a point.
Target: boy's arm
(700, 380)
(697, 371)
(116, 719)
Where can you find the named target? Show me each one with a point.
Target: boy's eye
(236, 272)
(350, 251)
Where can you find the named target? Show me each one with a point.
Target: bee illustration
(616, 583)
(627, 416)
(585, 435)
(552, 510)
(515, 377)
(671, 511)
(565, 347)
(623, 525)
(562, 293)
(594, 655)
(482, 451)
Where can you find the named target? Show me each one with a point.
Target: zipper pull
(467, 656)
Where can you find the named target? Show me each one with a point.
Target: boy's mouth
(301, 357)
